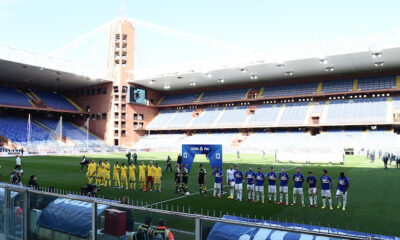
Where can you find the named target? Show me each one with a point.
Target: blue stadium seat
(294, 113)
(10, 96)
(224, 95)
(55, 101)
(344, 85)
(375, 83)
(180, 99)
(290, 90)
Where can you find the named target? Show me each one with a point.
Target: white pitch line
(197, 193)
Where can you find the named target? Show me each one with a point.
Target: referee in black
(202, 179)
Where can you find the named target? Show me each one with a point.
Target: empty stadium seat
(344, 85)
(294, 113)
(290, 90)
(10, 96)
(375, 83)
(233, 117)
(56, 101)
(224, 95)
(180, 99)
(264, 115)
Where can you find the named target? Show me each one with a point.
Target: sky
(43, 26)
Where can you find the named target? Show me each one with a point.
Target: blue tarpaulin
(226, 231)
(213, 153)
(69, 216)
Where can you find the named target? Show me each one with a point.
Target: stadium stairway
(171, 118)
(355, 85)
(278, 118)
(389, 109)
(73, 103)
(238, 140)
(397, 81)
(200, 97)
(64, 140)
(219, 116)
(324, 113)
(319, 88)
(36, 100)
(260, 92)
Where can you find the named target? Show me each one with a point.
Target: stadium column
(198, 228)
(94, 218)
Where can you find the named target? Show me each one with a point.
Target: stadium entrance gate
(212, 152)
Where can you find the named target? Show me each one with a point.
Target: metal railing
(196, 218)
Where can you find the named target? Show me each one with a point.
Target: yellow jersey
(124, 171)
(157, 172)
(100, 168)
(107, 167)
(132, 170)
(142, 170)
(117, 169)
(150, 171)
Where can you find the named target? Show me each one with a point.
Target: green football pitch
(373, 198)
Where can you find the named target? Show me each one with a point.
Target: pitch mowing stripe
(197, 193)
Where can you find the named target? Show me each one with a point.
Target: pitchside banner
(212, 152)
(69, 216)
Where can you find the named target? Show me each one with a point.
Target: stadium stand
(161, 119)
(180, 120)
(206, 118)
(11, 96)
(15, 129)
(180, 99)
(375, 83)
(224, 95)
(73, 132)
(344, 85)
(318, 107)
(290, 90)
(294, 113)
(55, 101)
(357, 111)
(233, 116)
(264, 115)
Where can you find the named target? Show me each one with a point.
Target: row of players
(101, 172)
(255, 185)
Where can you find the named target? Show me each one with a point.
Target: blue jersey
(238, 177)
(250, 176)
(298, 180)
(312, 181)
(326, 182)
(343, 184)
(284, 177)
(270, 181)
(218, 176)
(260, 178)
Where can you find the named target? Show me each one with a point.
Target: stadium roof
(29, 70)
(371, 53)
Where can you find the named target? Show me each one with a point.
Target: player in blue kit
(326, 189)
(217, 182)
(250, 176)
(283, 186)
(312, 188)
(238, 183)
(260, 178)
(343, 186)
(271, 184)
(298, 179)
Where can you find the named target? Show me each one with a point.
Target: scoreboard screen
(137, 95)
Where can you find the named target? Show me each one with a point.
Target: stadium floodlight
(329, 69)
(323, 61)
(192, 84)
(288, 73)
(379, 64)
(152, 81)
(253, 76)
(280, 65)
(243, 70)
(376, 54)
(167, 87)
(209, 75)
(221, 80)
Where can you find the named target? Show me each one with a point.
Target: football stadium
(120, 128)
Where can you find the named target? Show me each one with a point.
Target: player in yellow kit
(91, 171)
(124, 176)
(142, 175)
(157, 178)
(107, 174)
(132, 176)
(150, 177)
(116, 171)
(100, 175)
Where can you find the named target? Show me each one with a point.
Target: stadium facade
(325, 97)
